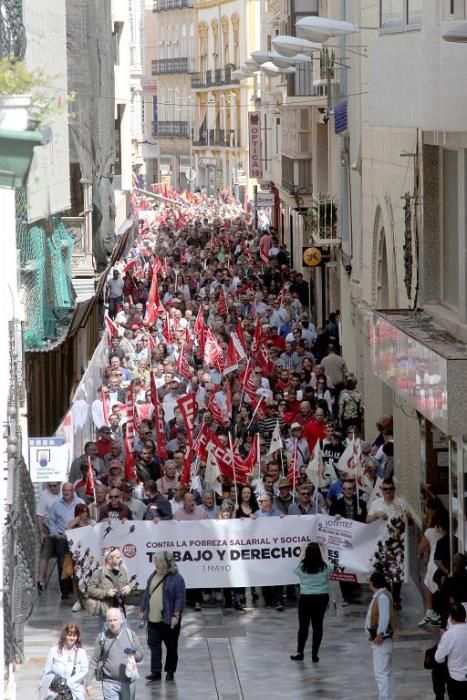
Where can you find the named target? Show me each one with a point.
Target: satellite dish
(322, 28)
(190, 174)
(291, 45)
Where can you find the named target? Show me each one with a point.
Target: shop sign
(254, 137)
(264, 199)
(48, 459)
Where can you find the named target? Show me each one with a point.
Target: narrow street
(245, 656)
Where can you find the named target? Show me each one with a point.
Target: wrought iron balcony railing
(169, 65)
(212, 78)
(225, 138)
(165, 5)
(171, 129)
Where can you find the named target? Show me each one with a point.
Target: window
(414, 12)
(392, 13)
(450, 222)
(398, 14)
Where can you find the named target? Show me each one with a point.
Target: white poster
(225, 553)
(49, 459)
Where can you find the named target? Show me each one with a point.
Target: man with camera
(108, 586)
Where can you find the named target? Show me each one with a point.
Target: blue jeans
(119, 690)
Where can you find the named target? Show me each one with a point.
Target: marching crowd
(220, 398)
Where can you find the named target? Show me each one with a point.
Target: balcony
(213, 78)
(166, 5)
(171, 130)
(164, 66)
(224, 138)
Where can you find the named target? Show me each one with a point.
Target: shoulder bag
(99, 672)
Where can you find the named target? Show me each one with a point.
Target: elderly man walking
(112, 651)
(108, 586)
(61, 512)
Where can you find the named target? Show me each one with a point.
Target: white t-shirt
(397, 507)
(44, 504)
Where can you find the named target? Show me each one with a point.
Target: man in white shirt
(378, 625)
(47, 498)
(395, 511)
(453, 645)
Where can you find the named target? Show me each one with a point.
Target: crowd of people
(211, 340)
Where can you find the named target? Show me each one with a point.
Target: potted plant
(23, 104)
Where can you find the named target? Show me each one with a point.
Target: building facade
(170, 61)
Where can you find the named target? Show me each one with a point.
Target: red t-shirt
(313, 431)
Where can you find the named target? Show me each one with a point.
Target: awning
(422, 363)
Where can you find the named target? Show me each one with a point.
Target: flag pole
(233, 468)
(294, 477)
(244, 383)
(259, 455)
(255, 411)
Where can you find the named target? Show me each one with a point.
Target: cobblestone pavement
(229, 655)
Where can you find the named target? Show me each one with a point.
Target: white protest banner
(350, 545)
(222, 553)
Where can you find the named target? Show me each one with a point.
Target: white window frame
(404, 24)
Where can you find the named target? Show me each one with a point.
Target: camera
(60, 687)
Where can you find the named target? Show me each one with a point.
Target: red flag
(218, 412)
(187, 405)
(221, 307)
(199, 323)
(257, 338)
(185, 476)
(129, 443)
(231, 360)
(90, 487)
(129, 267)
(240, 336)
(246, 378)
(111, 328)
(153, 307)
(293, 473)
(167, 331)
(158, 419)
(182, 366)
(151, 343)
(201, 441)
(212, 350)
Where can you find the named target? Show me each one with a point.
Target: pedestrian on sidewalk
(379, 625)
(313, 573)
(117, 650)
(66, 667)
(161, 608)
(453, 647)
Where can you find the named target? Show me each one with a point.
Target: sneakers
(431, 618)
(197, 607)
(76, 607)
(279, 607)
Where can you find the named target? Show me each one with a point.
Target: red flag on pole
(110, 327)
(199, 323)
(129, 443)
(157, 419)
(90, 487)
(182, 366)
(187, 405)
(212, 350)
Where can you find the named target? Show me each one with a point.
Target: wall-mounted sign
(48, 459)
(311, 257)
(254, 138)
(265, 199)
